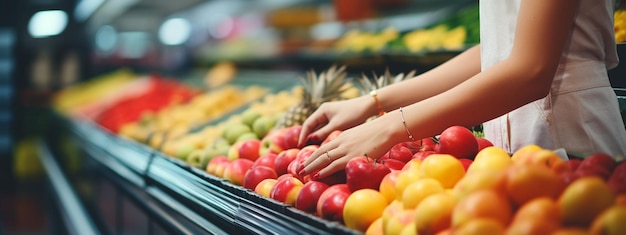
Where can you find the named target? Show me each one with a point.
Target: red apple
(483, 143)
(249, 149)
(598, 159)
(569, 176)
(286, 190)
(459, 142)
(236, 170)
(619, 173)
(573, 164)
(363, 172)
(217, 163)
(273, 142)
(618, 186)
(309, 196)
(291, 136)
(292, 169)
(338, 177)
(266, 160)
(283, 159)
(334, 134)
(393, 164)
(422, 154)
(256, 174)
(331, 202)
(400, 152)
(466, 162)
(593, 170)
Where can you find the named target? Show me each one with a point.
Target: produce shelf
(211, 204)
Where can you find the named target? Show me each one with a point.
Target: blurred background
(48, 45)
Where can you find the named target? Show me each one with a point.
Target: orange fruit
(445, 168)
(532, 226)
(583, 200)
(362, 208)
(543, 208)
(405, 178)
(610, 222)
(526, 182)
(399, 221)
(409, 230)
(490, 159)
(376, 228)
(434, 213)
(484, 203)
(479, 180)
(415, 192)
(480, 226)
(388, 185)
(522, 153)
(570, 231)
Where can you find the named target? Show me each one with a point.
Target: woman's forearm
(432, 82)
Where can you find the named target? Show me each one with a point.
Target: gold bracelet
(405, 126)
(374, 95)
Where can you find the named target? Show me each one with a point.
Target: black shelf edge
(207, 201)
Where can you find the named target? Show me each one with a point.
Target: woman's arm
(432, 82)
(543, 29)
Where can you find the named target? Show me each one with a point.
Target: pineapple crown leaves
(368, 84)
(326, 86)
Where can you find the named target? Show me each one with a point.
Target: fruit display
(82, 100)
(456, 183)
(150, 94)
(171, 122)
(359, 41)
(452, 33)
(253, 123)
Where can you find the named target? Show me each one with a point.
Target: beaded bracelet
(406, 127)
(374, 95)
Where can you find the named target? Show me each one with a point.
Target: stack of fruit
(150, 94)
(84, 99)
(253, 124)
(155, 128)
(360, 41)
(458, 184)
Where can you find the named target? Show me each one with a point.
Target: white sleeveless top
(581, 113)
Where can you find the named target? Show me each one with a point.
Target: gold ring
(328, 156)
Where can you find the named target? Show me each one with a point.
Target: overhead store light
(175, 31)
(47, 23)
(134, 45)
(85, 8)
(106, 38)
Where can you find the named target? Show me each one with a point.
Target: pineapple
(328, 86)
(368, 85)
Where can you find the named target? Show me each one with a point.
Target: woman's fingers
(316, 120)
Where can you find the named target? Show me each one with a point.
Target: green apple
(198, 159)
(249, 116)
(263, 125)
(217, 150)
(246, 136)
(233, 131)
(183, 150)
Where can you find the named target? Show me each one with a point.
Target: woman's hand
(338, 115)
(372, 139)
